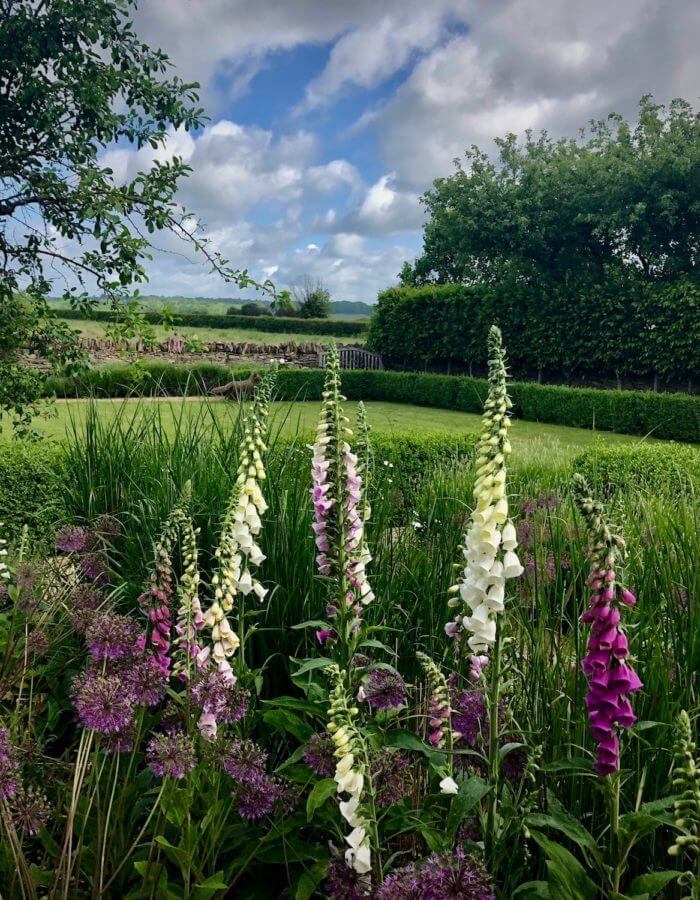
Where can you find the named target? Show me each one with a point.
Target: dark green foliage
(668, 416)
(629, 328)
(649, 467)
(249, 309)
(31, 488)
(619, 199)
(272, 324)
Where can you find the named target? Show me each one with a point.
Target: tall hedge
(631, 329)
(669, 416)
(271, 324)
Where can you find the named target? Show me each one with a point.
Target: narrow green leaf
(320, 792)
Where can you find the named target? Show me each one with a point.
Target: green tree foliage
(313, 299)
(618, 200)
(75, 79)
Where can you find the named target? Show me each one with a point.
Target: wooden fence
(354, 358)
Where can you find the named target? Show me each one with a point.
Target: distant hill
(350, 308)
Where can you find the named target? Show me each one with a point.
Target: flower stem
(493, 757)
(615, 856)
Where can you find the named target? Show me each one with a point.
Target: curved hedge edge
(667, 416)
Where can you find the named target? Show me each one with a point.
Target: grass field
(539, 442)
(88, 328)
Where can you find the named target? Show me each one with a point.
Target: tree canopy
(76, 80)
(619, 197)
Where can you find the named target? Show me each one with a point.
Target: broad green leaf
(652, 883)
(407, 740)
(575, 764)
(210, 886)
(319, 662)
(470, 793)
(320, 792)
(284, 720)
(533, 890)
(561, 820)
(567, 878)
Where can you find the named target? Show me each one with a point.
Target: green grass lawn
(92, 329)
(531, 440)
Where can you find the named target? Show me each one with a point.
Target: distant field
(233, 335)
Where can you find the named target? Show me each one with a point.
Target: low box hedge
(668, 416)
(31, 489)
(653, 467)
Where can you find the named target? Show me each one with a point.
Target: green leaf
(284, 720)
(174, 854)
(311, 623)
(314, 709)
(575, 764)
(210, 886)
(567, 878)
(407, 740)
(320, 792)
(470, 793)
(533, 890)
(636, 825)
(319, 662)
(561, 820)
(652, 883)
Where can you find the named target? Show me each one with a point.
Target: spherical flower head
(75, 539)
(30, 810)
(108, 528)
(121, 741)
(386, 689)
(112, 636)
(236, 705)
(9, 778)
(84, 602)
(392, 776)
(469, 718)
(344, 883)
(319, 757)
(442, 876)
(170, 755)
(258, 796)
(92, 567)
(101, 703)
(243, 760)
(144, 678)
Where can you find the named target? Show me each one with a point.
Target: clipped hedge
(652, 467)
(31, 479)
(668, 416)
(271, 324)
(629, 328)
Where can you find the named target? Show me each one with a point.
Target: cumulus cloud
(277, 200)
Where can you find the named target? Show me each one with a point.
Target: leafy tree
(618, 199)
(313, 298)
(74, 80)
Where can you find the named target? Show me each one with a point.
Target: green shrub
(667, 416)
(31, 479)
(651, 467)
(236, 319)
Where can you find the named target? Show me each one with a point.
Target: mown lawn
(538, 441)
(89, 328)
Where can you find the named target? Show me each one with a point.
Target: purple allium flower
(469, 831)
(469, 718)
(108, 527)
(237, 703)
(144, 678)
(75, 539)
(9, 779)
(101, 702)
(319, 757)
(243, 760)
(343, 883)
(392, 776)
(386, 689)
(121, 741)
(111, 636)
(170, 755)
(257, 796)
(92, 567)
(37, 643)
(85, 601)
(30, 810)
(513, 763)
(442, 876)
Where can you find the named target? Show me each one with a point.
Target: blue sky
(329, 119)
